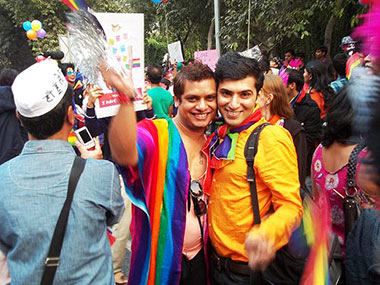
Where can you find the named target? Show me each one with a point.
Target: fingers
(80, 147)
(85, 153)
(260, 252)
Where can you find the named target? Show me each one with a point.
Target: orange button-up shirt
(230, 211)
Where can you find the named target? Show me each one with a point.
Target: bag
(351, 203)
(352, 210)
(285, 268)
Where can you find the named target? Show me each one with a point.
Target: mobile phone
(84, 137)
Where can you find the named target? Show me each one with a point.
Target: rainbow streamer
(158, 191)
(317, 227)
(76, 5)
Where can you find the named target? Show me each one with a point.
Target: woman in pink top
(330, 161)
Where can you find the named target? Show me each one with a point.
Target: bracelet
(124, 99)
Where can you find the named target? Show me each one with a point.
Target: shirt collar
(45, 146)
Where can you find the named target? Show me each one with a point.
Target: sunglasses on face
(196, 192)
(70, 73)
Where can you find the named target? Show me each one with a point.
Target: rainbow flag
(317, 227)
(136, 62)
(158, 190)
(76, 4)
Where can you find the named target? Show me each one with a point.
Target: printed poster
(125, 36)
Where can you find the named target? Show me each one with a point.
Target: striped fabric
(158, 189)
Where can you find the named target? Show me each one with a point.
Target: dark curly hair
(339, 120)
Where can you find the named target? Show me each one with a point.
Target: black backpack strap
(250, 151)
(52, 260)
(352, 162)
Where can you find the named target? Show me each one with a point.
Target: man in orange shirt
(236, 245)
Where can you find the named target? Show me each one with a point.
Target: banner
(209, 57)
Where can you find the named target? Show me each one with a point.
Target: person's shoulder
(99, 166)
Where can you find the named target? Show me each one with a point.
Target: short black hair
(233, 66)
(323, 49)
(291, 51)
(339, 120)
(7, 76)
(46, 125)
(166, 82)
(295, 76)
(339, 63)
(154, 73)
(192, 72)
(65, 66)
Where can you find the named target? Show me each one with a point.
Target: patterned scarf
(226, 149)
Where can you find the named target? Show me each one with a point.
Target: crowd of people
(209, 180)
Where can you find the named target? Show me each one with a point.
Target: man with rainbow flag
(239, 242)
(166, 178)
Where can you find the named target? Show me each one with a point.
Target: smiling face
(197, 106)
(237, 99)
(70, 75)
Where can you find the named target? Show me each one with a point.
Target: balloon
(41, 33)
(27, 25)
(36, 25)
(32, 35)
(156, 1)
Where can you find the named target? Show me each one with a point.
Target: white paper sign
(125, 36)
(175, 52)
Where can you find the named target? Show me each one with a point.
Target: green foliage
(278, 24)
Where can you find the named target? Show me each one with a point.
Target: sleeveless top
(334, 183)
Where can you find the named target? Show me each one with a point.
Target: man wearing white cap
(33, 188)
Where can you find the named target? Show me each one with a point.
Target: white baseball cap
(39, 88)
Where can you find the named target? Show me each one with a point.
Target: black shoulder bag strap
(250, 153)
(351, 207)
(52, 260)
(352, 162)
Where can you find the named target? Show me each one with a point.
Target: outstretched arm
(122, 132)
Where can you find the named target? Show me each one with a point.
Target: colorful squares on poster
(122, 48)
(125, 58)
(125, 36)
(114, 50)
(136, 62)
(118, 38)
(111, 42)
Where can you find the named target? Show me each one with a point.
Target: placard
(125, 36)
(209, 57)
(175, 52)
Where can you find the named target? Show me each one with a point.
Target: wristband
(124, 99)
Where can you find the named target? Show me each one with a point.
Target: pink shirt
(193, 237)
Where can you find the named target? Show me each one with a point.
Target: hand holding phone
(84, 137)
(85, 154)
